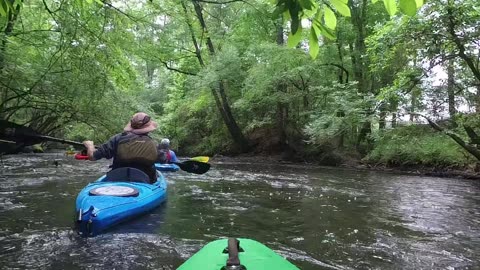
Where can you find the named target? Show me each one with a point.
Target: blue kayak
(167, 167)
(120, 195)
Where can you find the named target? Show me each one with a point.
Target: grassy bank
(418, 145)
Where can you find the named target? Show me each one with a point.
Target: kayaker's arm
(106, 150)
(173, 157)
(90, 149)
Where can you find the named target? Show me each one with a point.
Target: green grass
(418, 145)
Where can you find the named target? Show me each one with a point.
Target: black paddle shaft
(53, 139)
(26, 135)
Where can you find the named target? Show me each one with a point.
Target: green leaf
(89, 1)
(341, 7)
(295, 25)
(80, 3)
(308, 13)
(314, 48)
(8, 3)
(286, 17)
(294, 10)
(374, 1)
(306, 4)
(391, 7)
(318, 16)
(327, 32)
(3, 8)
(330, 19)
(294, 39)
(277, 11)
(419, 3)
(408, 7)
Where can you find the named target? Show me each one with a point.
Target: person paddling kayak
(165, 155)
(131, 148)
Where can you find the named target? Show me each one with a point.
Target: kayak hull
(253, 255)
(167, 167)
(97, 212)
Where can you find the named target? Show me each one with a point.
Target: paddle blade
(18, 133)
(81, 156)
(27, 135)
(201, 159)
(193, 166)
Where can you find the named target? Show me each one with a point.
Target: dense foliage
(237, 76)
(418, 145)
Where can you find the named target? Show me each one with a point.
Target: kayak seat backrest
(127, 174)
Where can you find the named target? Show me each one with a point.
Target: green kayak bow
(233, 254)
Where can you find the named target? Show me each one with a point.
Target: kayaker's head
(141, 123)
(164, 144)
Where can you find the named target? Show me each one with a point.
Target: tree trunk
(150, 71)
(382, 119)
(340, 57)
(360, 62)
(363, 135)
(477, 100)
(219, 93)
(394, 120)
(8, 29)
(414, 103)
(341, 135)
(451, 89)
(282, 88)
(469, 60)
(11, 19)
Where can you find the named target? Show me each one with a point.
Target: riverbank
(355, 163)
(412, 150)
(467, 173)
(351, 161)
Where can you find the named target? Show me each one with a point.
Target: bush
(418, 145)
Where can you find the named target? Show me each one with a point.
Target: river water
(316, 217)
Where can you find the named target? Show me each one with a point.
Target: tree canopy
(227, 76)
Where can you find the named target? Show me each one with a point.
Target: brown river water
(316, 217)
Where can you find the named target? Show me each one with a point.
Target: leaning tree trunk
(467, 146)
(219, 93)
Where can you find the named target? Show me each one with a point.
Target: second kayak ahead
(119, 195)
(167, 167)
(238, 254)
